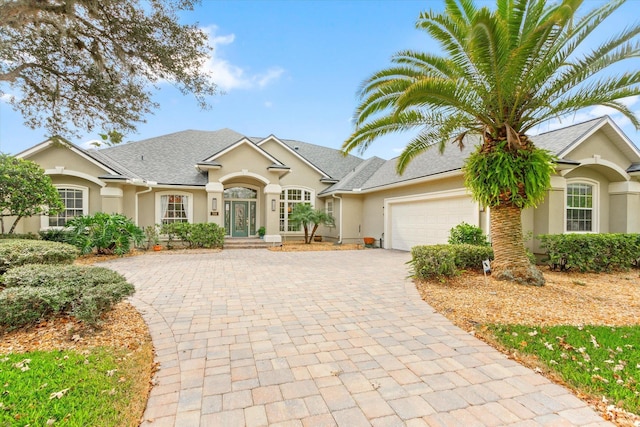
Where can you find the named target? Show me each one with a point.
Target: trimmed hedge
(20, 252)
(200, 235)
(592, 252)
(464, 233)
(57, 235)
(28, 236)
(447, 260)
(35, 292)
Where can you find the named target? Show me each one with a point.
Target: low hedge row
(201, 235)
(592, 252)
(14, 236)
(447, 260)
(35, 292)
(20, 252)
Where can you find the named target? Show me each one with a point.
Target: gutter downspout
(149, 188)
(339, 218)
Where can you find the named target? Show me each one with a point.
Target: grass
(596, 360)
(102, 386)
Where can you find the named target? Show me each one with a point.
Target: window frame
(595, 204)
(158, 204)
(283, 222)
(44, 219)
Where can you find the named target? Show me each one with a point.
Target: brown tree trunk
(511, 261)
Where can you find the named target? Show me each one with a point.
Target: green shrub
(34, 292)
(433, 261)
(201, 235)
(464, 233)
(19, 252)
(28, 236)
(56, 235)
(470, 257)
(106, 233)
(592, 252)
(447, 260)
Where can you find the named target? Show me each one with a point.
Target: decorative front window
(175, 208)
(74, 200)
(288, 199)
(240, 193)
(580, 207)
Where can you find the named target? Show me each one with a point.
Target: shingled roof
(170, 159)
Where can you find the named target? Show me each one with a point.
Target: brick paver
(253, 337)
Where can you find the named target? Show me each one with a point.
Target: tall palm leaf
(504, 71)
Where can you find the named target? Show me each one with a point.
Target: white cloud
(7, 97)
(229, 76)
(90, 144)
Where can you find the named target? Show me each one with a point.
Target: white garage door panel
(427, 222)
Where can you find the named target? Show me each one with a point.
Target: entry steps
(245, 243)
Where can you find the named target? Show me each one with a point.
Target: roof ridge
(597, 119)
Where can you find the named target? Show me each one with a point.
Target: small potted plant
(369, 241)
(261, 232)
(153, 238)
(317, 238)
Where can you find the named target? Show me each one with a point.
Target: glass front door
(239, 219)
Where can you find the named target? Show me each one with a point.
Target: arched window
(288, 199)
(581, 207)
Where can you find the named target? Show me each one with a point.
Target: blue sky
(292, 69)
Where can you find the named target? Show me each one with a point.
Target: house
(243, 183)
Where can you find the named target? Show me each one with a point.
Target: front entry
(240, 218)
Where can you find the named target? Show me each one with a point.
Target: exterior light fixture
(214, 204)
(273, 205)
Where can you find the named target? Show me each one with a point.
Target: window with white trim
(76, 203)
(173, 207)
(288, 199)
(329, 209)
(581, 203)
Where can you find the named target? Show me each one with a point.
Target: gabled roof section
(562, 141)
(96, 160)
(170, 159)
(239, 143)
(356, 178)
(427, 164)
(329, 162)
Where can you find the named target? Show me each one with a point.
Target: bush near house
(56, 235)
(35, 292)
(592, 252)
(106, 233)
(464, 233)
(19, 252)
(447, 260)
(28, 236)
(200, 235)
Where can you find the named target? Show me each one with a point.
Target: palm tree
(504, 72)
(304, 214)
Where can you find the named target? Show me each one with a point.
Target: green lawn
(96, 387)
(597, 360)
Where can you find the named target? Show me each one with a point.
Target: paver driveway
(253, 337)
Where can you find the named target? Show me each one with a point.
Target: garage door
(427, 222)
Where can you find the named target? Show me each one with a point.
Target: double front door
(240, 218)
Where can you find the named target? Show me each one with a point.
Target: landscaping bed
(315, 246)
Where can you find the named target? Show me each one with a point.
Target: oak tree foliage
(71, 65)
(25, 191)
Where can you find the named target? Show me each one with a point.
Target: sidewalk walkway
(256, 338)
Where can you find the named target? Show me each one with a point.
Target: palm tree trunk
(511, 261)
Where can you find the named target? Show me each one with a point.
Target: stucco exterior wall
(599, 144)
(59, 155)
